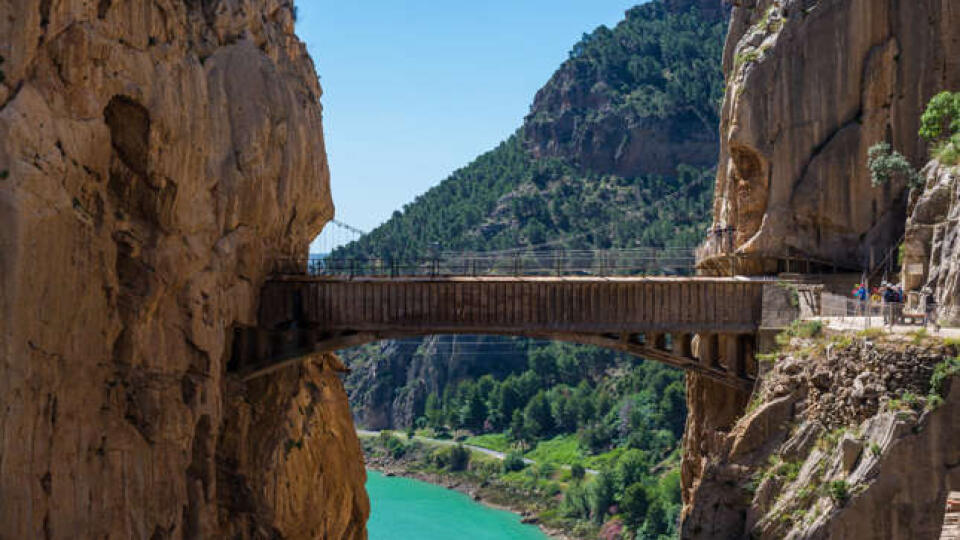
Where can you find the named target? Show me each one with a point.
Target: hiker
(930, 310)
(890, 299)
(860, 294)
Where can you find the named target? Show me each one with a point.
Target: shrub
(875, 449)
(941, 119)
(513, 461)
(546, 470)
(887, 164)
(839, 491)
(917, 336)
(577, 472)
(453, 458)
(634, 504)
(941, 372)
(392, 445)
(940, 125)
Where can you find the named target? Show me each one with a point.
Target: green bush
(839, 491)
(513, 461)
(453, 458)
(634, 504)
(577, 472)
(392, 444)
(941, 372)
(887, 164)
(940, 125)
(941, 119)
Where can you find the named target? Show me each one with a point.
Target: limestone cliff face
(154, 158)
(390, 382)
(931, 244)
(585, 114)
(811, 86)
(842, 440)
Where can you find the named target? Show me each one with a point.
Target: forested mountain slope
(658, 71)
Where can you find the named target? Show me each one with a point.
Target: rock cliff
(811, 85)
(633, 112)
(846, 437)
(930, 254)
(155, 157)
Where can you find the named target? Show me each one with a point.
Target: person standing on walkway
(930, 310)
(860, 294)
(890, 300)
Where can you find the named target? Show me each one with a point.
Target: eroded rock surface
(931, 250)
(583, 116)
(155, 157)
(871, 455)
(811, 86)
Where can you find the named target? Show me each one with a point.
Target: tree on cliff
(940, 125)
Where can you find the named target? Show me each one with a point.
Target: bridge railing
(534, 263)
(872, 312)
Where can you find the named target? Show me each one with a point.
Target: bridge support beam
(730, 344)
(708, 350)
(683, 345)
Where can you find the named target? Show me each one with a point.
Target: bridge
(703, 325)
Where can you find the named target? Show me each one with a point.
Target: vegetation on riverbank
(560, 499)
(624, 419)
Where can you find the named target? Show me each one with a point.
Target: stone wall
(154, 158)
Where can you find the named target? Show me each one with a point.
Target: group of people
(886, 293)
(892, 298)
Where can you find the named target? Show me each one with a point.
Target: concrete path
(448, 442)
(862, 323)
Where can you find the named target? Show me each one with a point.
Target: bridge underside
(705, 326)
(726, 358)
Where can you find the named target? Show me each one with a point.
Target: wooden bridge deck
(627, 313)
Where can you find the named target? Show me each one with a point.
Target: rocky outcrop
(931, 253)
(154, 158)
(811, 86)
(845, 438)
(390, 382)
(589, 113)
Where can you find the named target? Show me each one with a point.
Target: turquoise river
(404, 509)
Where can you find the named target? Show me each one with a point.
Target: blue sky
(414, 89)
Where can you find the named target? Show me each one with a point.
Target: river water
(404, 509)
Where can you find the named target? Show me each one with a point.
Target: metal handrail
(583, 262)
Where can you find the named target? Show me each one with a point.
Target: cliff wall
(154, 158)
(846, 437)
(811, 85)
(930, 254)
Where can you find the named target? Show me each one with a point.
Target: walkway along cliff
(154, 156)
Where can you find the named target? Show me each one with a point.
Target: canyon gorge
(157, 159)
